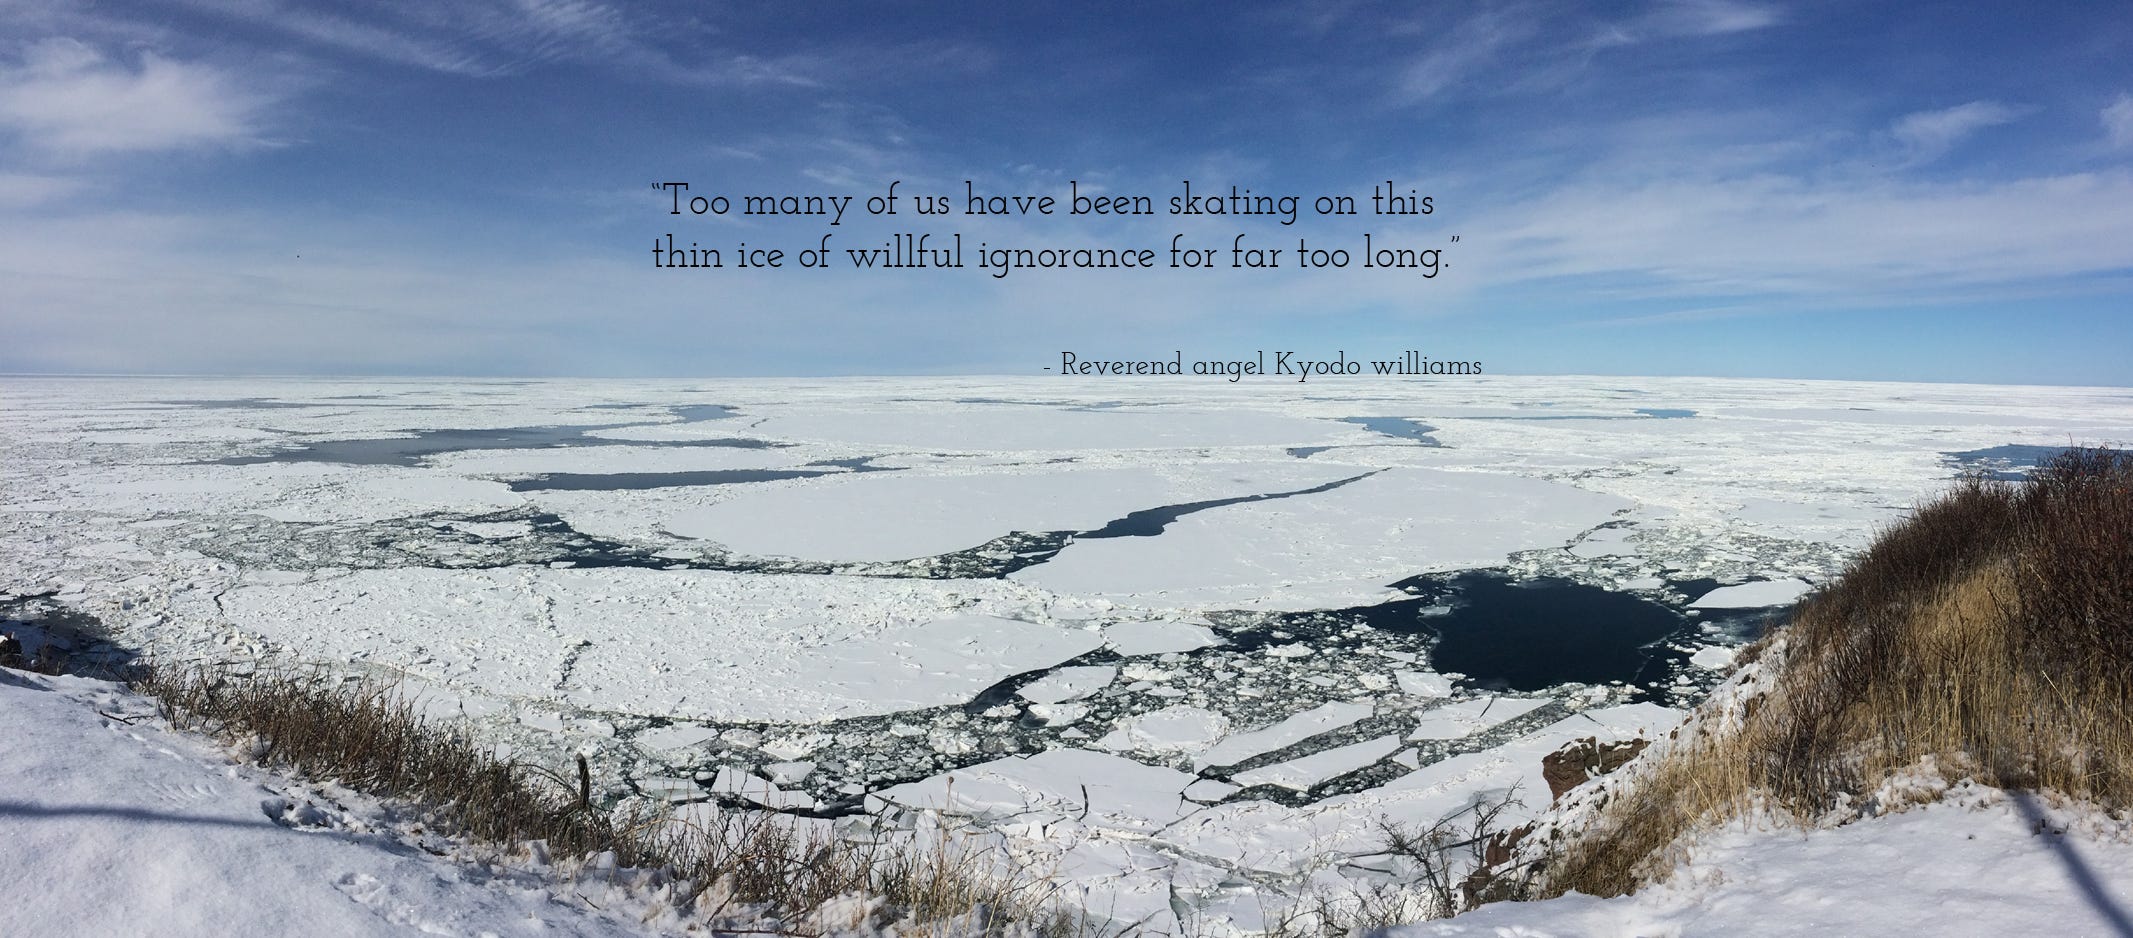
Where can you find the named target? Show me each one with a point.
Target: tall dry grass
(759, 870)
(1991, 631)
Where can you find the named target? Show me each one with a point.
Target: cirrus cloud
(69, 98)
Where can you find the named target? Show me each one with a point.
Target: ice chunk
(1157, 637)
(1423, 684)
(1089, 787)
(1302, 773)
(1333, 548)
(789, 773)
(762, 791)
(1753, 595)
(675, 736)
(1171, 729)
(881, 516)
(1288, 732)
(1068, 684)
(1208, 790)
(1467, 717)
(1714, 657)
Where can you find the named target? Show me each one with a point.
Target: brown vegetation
(755, 869)
(1992, 632)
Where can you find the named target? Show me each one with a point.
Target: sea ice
(1067, 684)
(895, 516)
(1334, 548)
(1169, 730)
(1467, 717)
(1306, 771)
(1752, 595)
(1295, 729)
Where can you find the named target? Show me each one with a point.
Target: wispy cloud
(1709, 17)
(1782, 236)
(453, 39)
(1679, 316)
(2118, 123)
(502, 38)
(1925, 136)
(69, 98)
(27, 190)
(388, 45)
(1474, 44)
(1685, 19)
(1552, 44)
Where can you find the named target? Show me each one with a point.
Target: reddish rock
(1569, 767)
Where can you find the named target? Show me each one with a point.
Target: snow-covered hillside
(111, 825)
(1980, 862)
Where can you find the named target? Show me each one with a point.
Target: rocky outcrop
(1570, 766)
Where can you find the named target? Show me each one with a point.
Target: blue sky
(1719, 187)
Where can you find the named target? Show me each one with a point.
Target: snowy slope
(1980, 862)
(112, 828)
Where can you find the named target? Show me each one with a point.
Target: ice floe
(1337, 548)
(1752, 595)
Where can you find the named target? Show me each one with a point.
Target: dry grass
(1992, 631)
(751, 870)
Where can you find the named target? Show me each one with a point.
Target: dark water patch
(633, 481)
(1306, 452)
(1669, 677)
(1741, 626)
(1692, 590)
(1666, 413)
(1397, 427)
(1150, 522)
(1530, 635)
(698, 413)
(2010, 463)
(855, 464)
(422, 444)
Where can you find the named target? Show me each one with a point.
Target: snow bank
(1982, 862)
(118, 828)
